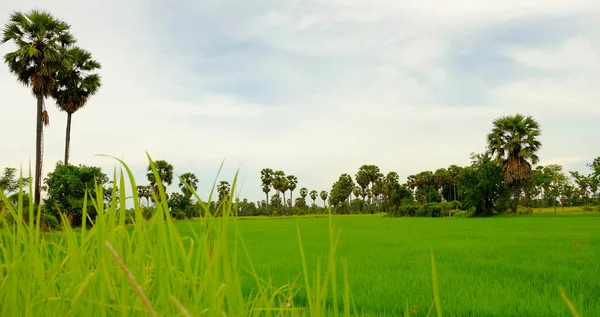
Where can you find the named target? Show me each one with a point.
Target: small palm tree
(513, 140)
(75, 84)
(39, 38)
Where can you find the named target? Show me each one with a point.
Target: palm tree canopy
(39, 37)
(76, 81)
(513, 141)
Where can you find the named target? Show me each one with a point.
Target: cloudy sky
(317, 87)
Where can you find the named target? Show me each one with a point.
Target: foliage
(482, 185)
(67, 188)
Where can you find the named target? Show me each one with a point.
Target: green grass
(300, 266)
(503, 266)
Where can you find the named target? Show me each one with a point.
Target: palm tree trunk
(38, 150)
(68, 138)
(515, 203)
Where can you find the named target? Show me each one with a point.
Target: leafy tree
(39, 38)
(9, 184)
(75, 83)
(67, 185)
(513, 140)
(189, 179)
(557, 182)
(266, 177)
(165, 173)
(583, 182)
(324, 195)
(482, 185)
(313, 195)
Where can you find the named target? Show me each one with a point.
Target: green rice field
(510, 266)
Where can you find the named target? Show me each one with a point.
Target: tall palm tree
(280, 183)
(324, 195)
(75, 84)
(39, 38)
(266, 177)
(292, 182)
(191, 180)
(513, 140)
(313, 195)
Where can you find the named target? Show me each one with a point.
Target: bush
(598, 208)
(465, 213)
(51, 221)
(432, 210)
(587, 208)
(456, 204)
(524, 210)
(446, 208)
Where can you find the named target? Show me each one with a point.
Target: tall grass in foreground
(149, 269)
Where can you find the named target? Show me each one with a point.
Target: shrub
(524, 210)
(432, 210)
(598, 208)
(456, 204)
(446, 208)
(587, 208)
(51, 221)
(465, 213)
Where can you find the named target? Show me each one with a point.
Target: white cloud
(316, 88)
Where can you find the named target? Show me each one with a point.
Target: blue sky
(317, 88)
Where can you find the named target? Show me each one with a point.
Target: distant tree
(165, 172)
(76, 82)
(513, 140)
(324, 195)
(280, 183)
(191, 180)
(266, 177)
(557, 182)
(313, 195)
(292, 182)
(223, 189)
(145, 191)
(9, 184)
(39, 39)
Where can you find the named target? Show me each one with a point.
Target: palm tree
(39, 38)
(292, 182)
(75, 84)
(144, 192)
(324, 195)
(165, 173)
(514, 141)
(223, 190)
(191, 180)
(280, 183)
(313, 195)
(266, 177)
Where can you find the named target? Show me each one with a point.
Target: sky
(315, 88)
